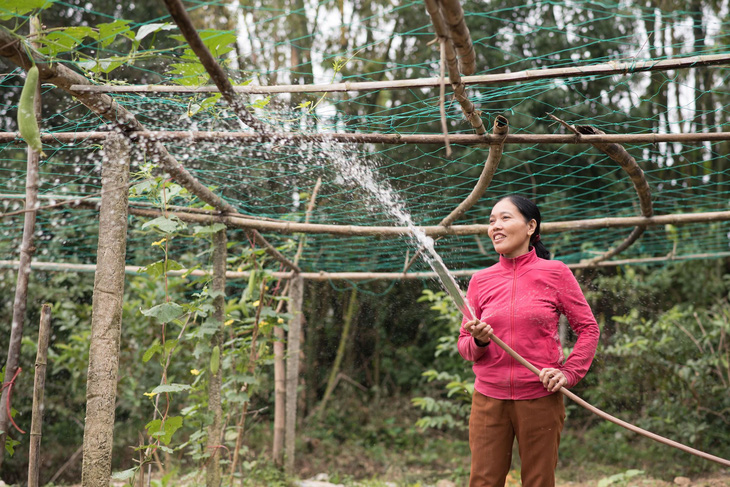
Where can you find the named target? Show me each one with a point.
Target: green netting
(299, 42)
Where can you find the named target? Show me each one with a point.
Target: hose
(608, 417)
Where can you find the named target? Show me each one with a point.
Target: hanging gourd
(27, 122)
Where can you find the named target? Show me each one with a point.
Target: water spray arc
(450, 285)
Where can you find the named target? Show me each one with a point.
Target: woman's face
(508, 230)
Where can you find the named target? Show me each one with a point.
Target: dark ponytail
(530, 211)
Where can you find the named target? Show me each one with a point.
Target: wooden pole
(106, 320)
(215, 408)
(286, 227)
(39, 386)
(27, 249)
(280, 395)
(358, 276)
(608, 69)
(296, 297)
(193, 137)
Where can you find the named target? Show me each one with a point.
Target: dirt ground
(715, 480)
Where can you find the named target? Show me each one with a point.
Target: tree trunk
(36, 425)
(21, 287)
(296, 295)
(215, 433)
(106, 317)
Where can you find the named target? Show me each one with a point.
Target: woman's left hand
(553, 379)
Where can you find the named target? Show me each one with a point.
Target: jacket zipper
(512, 331)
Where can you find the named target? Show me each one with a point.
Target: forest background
(383, 393)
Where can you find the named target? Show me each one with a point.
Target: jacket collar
(519, 262)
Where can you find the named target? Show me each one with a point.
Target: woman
(520, 300)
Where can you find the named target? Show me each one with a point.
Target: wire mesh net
(302, 43)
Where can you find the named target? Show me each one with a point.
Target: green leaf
(206, 230)
(151, 352)
(261, 103)
(166, 225)
(60, 41)
(125, 474)
(164, 432)
(215, 359)
(191, 73)
(165, 312)
(109, 31)
(16, 8)
(166, 388)
(107, 65)
(10, 445)
(219, 42)
(161, 267)
(142, 188)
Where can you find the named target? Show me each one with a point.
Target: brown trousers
(493, 426)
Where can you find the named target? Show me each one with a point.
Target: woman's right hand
(480, 331)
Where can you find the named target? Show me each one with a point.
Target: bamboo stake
(442, 91)
(27, 249)
(356, 276)
(39, 386)
(296, 296)
(607, 69)
(286, 227)
(277, 451)
(193, 137)
(501, 127)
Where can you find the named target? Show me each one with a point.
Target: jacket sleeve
(574, 306)
(467, 347)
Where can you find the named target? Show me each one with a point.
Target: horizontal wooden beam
(607, 69)
(354, 276)
(286, 227)
(192, 137)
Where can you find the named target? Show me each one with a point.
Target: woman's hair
(530, 211)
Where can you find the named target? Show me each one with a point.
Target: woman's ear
(531, 226)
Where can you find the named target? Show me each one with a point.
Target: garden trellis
(261, 178)
(376, 89)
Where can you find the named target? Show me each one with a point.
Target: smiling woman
(521, 299)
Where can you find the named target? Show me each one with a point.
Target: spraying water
(362, 174)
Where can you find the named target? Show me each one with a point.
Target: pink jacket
(522, 299)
